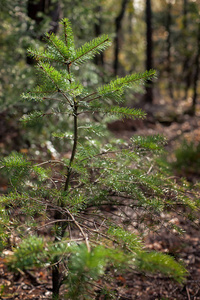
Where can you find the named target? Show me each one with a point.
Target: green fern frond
(90, 49)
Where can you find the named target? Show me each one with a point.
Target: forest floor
(134, 285)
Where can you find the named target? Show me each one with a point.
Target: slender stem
(50, 162)
(90, 100)
(88, 96)
(54, 99)
(81, 230)
(74, 147)
(56, 273)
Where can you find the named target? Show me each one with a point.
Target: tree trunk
(149, 51)
(118, 24)
(169, 46)
(99, 59)
(186, 68)
(48, 8)
(196, 75)
(56, 281)
(185, 13)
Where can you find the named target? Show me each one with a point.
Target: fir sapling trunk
(56, 275)
(69, 169)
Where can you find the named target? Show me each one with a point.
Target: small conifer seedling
(96, 202)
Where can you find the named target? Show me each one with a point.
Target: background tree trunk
(99, 60)
(185, 13)
(169, 46)
(186, 65)
(196, 75)
(46, 8)
(118, 24)
(149, 51)
(49, 8)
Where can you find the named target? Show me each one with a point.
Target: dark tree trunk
(169, 46)
(56, 273)
(118, 24)
(185, 14)
(56, 281)
(149, 51)
(99, 59)
(186, 66)
(48, 8)
(130, 17)
(196, 75)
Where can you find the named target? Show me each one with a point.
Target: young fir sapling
(85, 237)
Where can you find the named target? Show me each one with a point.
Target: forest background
(163, 35)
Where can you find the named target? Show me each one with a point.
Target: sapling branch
(58, 88)
(90, 50)
(80, 228)
(54, 99)
(88, 96)
(40, 56)
(48, 37)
